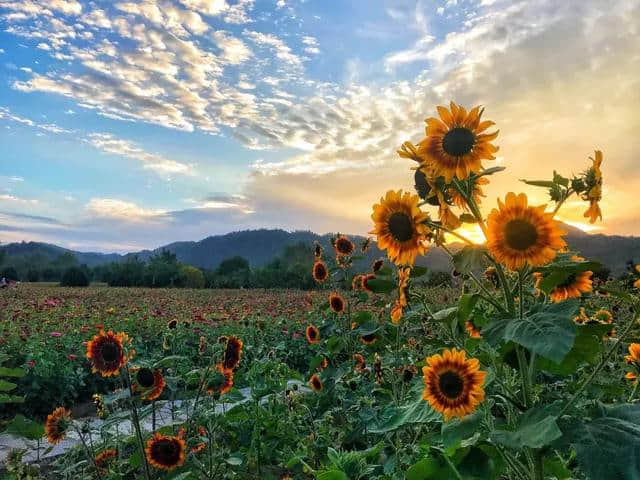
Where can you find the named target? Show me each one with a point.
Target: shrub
(74, 277)
(10, 273)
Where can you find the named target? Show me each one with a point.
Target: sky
(131, 124)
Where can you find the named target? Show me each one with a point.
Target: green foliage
(74, 277)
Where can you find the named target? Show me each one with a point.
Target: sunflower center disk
(458, 141)
(400, 226)
(110, 352)
(145, 377)
(167, 452)
(451, 384)
(520, 234)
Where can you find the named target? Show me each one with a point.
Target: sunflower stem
(602, 363)
(136, 423)
(633, 392)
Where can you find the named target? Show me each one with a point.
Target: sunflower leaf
(379, 285)
(469, 258)
(25, 428)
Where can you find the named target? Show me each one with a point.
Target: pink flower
(72, 357)
(56, 334)
(31, 363)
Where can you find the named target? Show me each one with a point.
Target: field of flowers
(525, 369)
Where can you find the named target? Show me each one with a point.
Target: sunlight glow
(472, 232)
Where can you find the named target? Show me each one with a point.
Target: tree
(191, 277)
(10, 273)
(74, 277)
(232, 265)
(163, 270)
(33, 275)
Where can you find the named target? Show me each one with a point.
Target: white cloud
(43, 46)
(110, 144)
(283, 52)
(122, 210)
(234, 50)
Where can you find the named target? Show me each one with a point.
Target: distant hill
(261, 246)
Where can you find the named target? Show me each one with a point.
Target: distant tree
(603, 273)
(232, 265)
(74, 277)
(127, 274)
(439, 279)
(50, 274)
(33, 276)
(191, 277)
(162, 270)
(10, 273)
(3, 255)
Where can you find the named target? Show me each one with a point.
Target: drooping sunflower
(455, 145)
(356, 282)
(152, 381)
(56, 425)
(360, 363)
(573, 287)
(603, 316)
(312, 333)
(320, 271)
(172, 324)
(104, 458)
(396, 312)
(232, 353)
(337, 303)
(403, 283)
(221, 382)
(366, 244)
(593, 195)
(637, 282)
(369, 338)
(519, 234)
(377, 265)
(476, 192)
(317, 250)
(454, 385)
(343, 246)
(364, 281)
(472, 330)
(316, 383)
(399, 227)
(106, 352)
(165, 452)
(634, 355)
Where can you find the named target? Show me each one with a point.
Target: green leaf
(468, 218)
(23, 427)
(170, 360)
(469, 258)
(539, 183)
(380, 285)
(536, 428)
(333, 475)
(609, 445)
(586, 349)
(361, 317)
(418, 271)
(455, 431)
(424, 469)
(6, 386)
(384, 272)
(561, 270)
(550, 332)
(12, 372)
(445, 314)
(560, 180)
(397, 417)
(491, 171)
(5, 398)
(466, 304)
(234, 461)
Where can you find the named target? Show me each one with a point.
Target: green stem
(633, 392)
(601, 365)
(136, 423)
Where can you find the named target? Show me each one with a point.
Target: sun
(470, 231)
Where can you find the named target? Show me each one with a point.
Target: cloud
(234, 50)
(110, 144)
(122, 210)
(6, 114)
(282, 51)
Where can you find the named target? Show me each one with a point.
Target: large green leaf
(21, 426)
(455, 431)
(536, 428)
(469, 258)
(396, 417)
(380, 285)
(424, 469)
(550, 332)
(561, 270)
(12, 372)
(332, 475)
(586, 349)
(609, 445)
(6, 386)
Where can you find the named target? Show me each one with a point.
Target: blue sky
(130, 124)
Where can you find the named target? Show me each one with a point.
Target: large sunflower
(519, 234)
(343, 246)
(106, 352)
(453, 383)
(573, 287)
(337, 303)
(320, 271)
(104, 458)
(221, 382)
(232, 353)
(455, 145)
(312, 333)
(399, 227)
(152, 382)
(165, 452)
(56, 425)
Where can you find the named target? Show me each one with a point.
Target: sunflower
(106, 352)
(455, 145)
(222, 380)
(343, 246)
(312, 333)
(519, 234)
(165, 452)
(582, 317)
(634, 355)
(377, 265)
(105, 457)
(399, 227)
(356, 282)
(316, 383)
(593, 194)
(573, 287)
(369, 338)
(360, 364)
(317, 250)
(172, 324)
(101, 407)
(320, 271)
(232, 353)
(476, 192)
(453, 383)
(396, 312)
(56, 425)
(337, 303)
(366, 244)
(603, 316)
(403, 283)
(152, 381)
(472, 330)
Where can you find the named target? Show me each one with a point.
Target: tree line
(289, 270)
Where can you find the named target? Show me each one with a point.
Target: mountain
(261, 246)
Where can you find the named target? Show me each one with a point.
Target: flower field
(525, 368)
